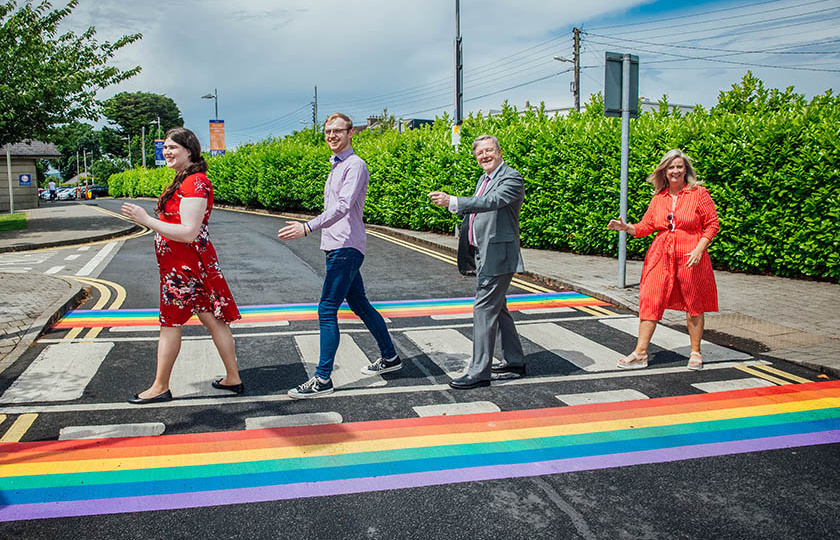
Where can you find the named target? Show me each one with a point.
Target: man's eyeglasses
(328, 132)
(670, 218)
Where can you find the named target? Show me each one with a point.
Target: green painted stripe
(403, 454)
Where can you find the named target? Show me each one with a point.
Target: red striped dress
(667, 283)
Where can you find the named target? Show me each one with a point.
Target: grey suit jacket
(496, 225)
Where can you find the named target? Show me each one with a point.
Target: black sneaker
(311, 389)
(383, 366)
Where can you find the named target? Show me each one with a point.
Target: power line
(767, 51)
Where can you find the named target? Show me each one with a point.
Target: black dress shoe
(137, 400)
(235, 388)
(504, 367)
(466, 382)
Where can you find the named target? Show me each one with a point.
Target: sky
(265, 58)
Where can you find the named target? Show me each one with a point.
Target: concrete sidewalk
(790, 319)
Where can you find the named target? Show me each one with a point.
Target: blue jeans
(344, 281)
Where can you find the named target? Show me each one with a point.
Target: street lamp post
(575, 83)
(128, 138)
(215, 97)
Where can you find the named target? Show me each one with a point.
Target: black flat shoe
(466, 383)
(504, 367)
(137, 400)
(235, 388)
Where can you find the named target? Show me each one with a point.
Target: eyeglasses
(328, 132)
(670, 218)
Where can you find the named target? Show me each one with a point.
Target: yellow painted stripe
(756, 373)
(18, 468)
(441, 257)
(119, 290)
(784, 374)
(2, 418)
(589, 310)
(104, 297)
(602, 309)
(19, 428)
(72, 334)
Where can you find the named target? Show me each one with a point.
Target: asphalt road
(786, 490)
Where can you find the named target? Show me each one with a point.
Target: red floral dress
(190, 278)
(667, 283)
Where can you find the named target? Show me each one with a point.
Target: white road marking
(72, 257)
(454, 409)
(606, 396)
(17, 270)
(262, 324)
(452, 316)
(148, 328)
(674, 341)
(446, 347)
(111, 431)
(732, 384)
(293, 420)
(359, 321)
(349, 360)
(197, 365)
(582, 352)
(60, 373)
(83, 248)
(543, 311)
(97, 259)
(54, 270)
(388, 390)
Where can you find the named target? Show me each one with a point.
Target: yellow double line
(772, 374)
(104, 289)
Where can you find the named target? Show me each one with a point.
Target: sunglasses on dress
(670, 221)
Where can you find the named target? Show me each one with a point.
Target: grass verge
(12, 222)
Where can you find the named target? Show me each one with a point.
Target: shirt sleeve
(196, 185)
(646, 226)
(708, 214)
(453, 204)
(353, 186)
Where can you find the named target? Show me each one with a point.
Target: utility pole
(128, 138)
(315, 115)
(143, 143)
(576, 58)
(459, 67)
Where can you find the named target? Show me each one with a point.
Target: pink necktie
(472, 216)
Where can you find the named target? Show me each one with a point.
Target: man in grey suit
(491, 221)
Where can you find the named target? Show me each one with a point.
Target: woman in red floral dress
(191, 281)
(677, 273)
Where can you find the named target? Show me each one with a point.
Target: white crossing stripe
(582, 352)
(452, 316)
(109, 431)
(60, 373)
(54, 270)
(97, 259)
(674, 341)
(72, 257)
(359, 321)
(543, 311)
(197, 365)
(293, 420)
(447, 348)
(454, 409)
(147, 328)
(732, 384)
(260, 324)
(349, 361)
(606, 396)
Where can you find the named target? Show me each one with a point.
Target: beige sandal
(634, 361)
(695, 361)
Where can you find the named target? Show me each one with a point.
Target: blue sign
(25, 180)
(217, 152)
(159, 153)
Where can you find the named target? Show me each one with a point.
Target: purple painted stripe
(402, 481)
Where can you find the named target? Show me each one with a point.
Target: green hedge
(770, 159)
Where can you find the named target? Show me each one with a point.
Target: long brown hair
(188, 140)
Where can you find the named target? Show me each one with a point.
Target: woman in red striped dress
(677, 273)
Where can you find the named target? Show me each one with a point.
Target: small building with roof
(24, 184)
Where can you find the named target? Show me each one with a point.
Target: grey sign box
(612, 84)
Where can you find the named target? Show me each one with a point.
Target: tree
(131, 111)
(71, 140)
(47, 79)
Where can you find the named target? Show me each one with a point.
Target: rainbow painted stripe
(106, 476)
(309, 312)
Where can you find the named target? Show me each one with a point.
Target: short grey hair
(481, 138)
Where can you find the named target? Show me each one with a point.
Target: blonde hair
(344, 117)
(658, 179)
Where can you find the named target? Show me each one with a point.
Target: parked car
(66, 194)
(96, 190)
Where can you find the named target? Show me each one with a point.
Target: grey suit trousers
(491, 316)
